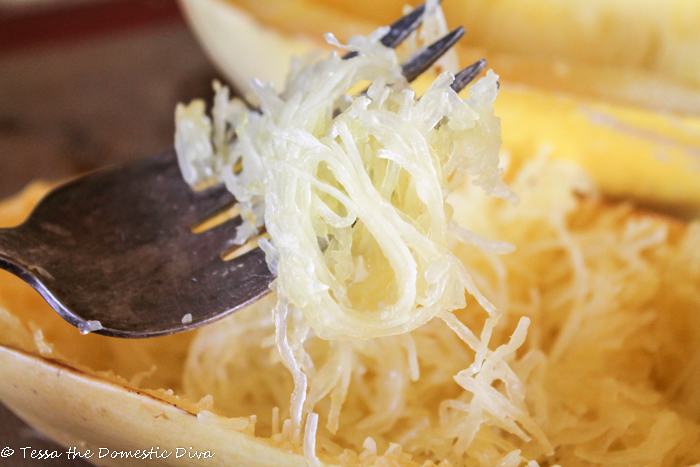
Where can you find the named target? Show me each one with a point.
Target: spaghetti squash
(420, 317)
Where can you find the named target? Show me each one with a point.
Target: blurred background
(84, 84)
(88, 83)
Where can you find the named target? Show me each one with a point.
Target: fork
(114, 252)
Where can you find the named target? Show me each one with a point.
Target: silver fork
(114, 252)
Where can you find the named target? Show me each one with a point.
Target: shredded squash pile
(419, 316)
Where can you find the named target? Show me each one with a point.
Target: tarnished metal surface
(116, 247)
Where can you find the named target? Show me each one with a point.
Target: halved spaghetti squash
(578, 343)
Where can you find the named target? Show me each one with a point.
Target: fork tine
(404, 26)
(400, 29)
(467, 75)
(423, 59)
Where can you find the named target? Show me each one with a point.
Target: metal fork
(114, 252)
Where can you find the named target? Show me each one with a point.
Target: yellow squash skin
(641, 53)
